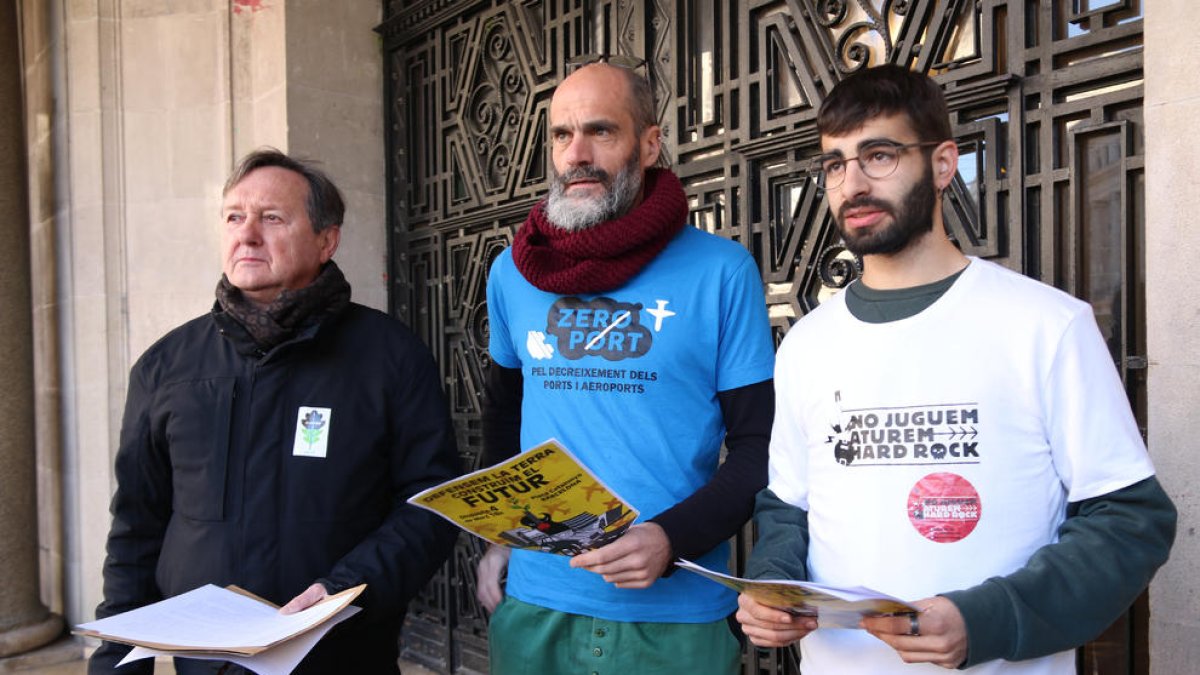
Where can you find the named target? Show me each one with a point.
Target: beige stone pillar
(24, 623)
(1172, 108)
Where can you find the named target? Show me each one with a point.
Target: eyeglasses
(877, 160)
(618, 60)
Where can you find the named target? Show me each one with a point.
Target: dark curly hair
(883, 91)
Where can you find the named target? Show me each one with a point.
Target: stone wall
(335, 114)
(152, 104)
(25, 624)
(1173, 320)
(42, 39)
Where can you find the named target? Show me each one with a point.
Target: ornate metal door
(1046, 99)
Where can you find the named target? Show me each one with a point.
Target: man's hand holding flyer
(834, 607)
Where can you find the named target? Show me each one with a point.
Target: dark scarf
(604, 256)
(328, 294)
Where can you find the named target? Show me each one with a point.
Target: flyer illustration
(834, 607)
(543, 499)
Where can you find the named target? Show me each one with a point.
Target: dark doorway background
(1046, 99)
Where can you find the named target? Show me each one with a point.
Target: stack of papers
(226, 624)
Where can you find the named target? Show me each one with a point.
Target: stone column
(1172, 104)
(24, 623)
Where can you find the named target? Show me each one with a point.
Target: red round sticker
(944, 507)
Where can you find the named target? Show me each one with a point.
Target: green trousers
(525, 638)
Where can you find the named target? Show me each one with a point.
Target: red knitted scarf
(605, 256)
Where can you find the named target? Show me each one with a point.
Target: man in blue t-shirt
(642, 345)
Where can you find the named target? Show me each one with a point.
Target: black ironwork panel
(468, 89)
(1046, 104)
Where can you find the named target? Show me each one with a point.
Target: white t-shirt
(937, 451)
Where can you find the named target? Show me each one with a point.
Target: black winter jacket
(210, 491)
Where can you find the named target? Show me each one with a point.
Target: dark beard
(913, 219)
(574, 214)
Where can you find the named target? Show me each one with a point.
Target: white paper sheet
(278, 660)
(210, 618)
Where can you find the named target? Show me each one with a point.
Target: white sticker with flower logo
(312, 432)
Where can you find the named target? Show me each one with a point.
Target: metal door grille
(1046, 100)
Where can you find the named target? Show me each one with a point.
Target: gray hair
(641, 106)
(641, 100)
(324, 205)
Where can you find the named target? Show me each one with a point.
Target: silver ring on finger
(914, 625)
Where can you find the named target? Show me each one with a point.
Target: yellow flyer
(543, 499)
(834, 607)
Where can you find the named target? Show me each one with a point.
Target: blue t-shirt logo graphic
(598, 327)
(537, 347)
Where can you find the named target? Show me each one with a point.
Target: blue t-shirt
(628, 381)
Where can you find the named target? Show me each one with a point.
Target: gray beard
(579, 213)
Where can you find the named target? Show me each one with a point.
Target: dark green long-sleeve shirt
(1108, 549)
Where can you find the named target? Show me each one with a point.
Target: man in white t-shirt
(947, 431)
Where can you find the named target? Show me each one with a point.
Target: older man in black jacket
(272, 442)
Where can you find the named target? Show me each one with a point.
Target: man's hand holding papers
(228, 624)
